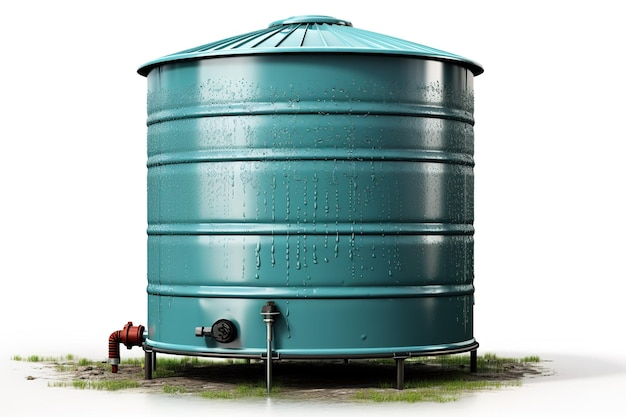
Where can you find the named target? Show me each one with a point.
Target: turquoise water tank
(321, 168)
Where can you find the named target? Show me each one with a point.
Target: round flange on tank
(321, 167)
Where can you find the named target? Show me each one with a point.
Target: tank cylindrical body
(337, 185)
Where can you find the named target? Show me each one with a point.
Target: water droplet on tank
(258, 255)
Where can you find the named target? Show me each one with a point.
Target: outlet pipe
(269, 311)
(130, 336)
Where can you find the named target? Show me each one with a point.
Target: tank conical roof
(311, 34)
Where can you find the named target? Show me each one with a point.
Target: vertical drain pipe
(269, 311)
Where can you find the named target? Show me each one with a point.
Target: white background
(549, 176)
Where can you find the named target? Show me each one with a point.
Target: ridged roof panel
(310, 34)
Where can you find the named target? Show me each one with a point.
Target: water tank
(317, 176)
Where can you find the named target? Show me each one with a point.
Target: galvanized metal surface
(311, 34)
(338, 185)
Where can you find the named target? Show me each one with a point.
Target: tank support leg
(149, 363)
(474, 360)
(400, 373)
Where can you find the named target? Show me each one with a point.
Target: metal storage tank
(310, 195)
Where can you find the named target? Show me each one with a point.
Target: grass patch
(440, 390)
(112, 385)
(488, 362)
(380, 396)
(37, 358)
(168, 367)
(451, 384)
(70, 362)
(442, 378)
(174, 389)
(257, 390)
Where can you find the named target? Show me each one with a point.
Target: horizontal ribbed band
(317, 228)
(310, 107)
(310, 154)
(201, 291)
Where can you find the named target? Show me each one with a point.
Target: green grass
(240, 391)
(37, 358)
(484, 363)
(441, 387)
(166, 367)
(114, 385)
(449, 387)
(71, 362)
(174, 389)
(175, 366)
(433, 391)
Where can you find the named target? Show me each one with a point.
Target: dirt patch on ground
(307, 380)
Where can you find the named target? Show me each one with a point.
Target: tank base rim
(414, 351)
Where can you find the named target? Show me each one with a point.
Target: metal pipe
(473, 360)
(269, 311)
(268, 363)
(150, 359)
(130, 335)
(400, 373)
